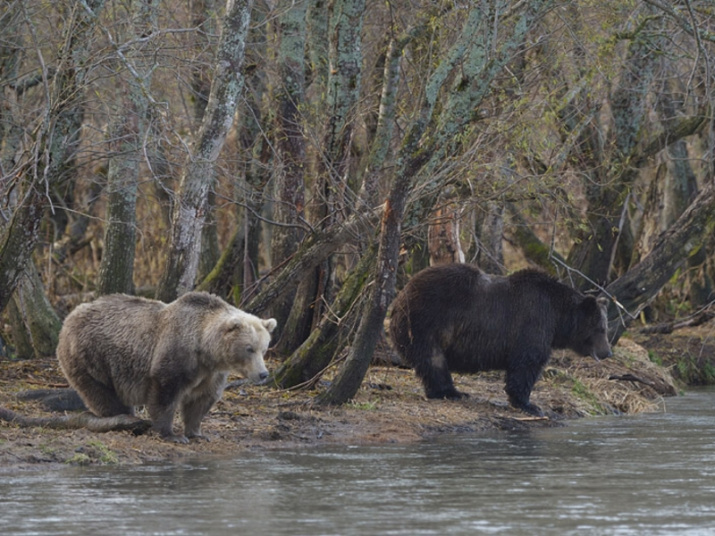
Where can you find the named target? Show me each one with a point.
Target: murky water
(648, 474)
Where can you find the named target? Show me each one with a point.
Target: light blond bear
(122, 351)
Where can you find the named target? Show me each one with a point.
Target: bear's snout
(603, 353)
(260, 378)
(258, 375)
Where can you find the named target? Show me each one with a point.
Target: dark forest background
(301, 158)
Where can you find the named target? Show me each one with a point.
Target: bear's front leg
(194, 412)
(163, 401)
(521, 375)
(197, 404)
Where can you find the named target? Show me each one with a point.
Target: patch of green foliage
(695, 371)
(655, 358)
(366, 406)
(79, 459)
(95, 451)
(584, 393)
(106, 455)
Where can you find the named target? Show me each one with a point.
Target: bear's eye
(250, 349)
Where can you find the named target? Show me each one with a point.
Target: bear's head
(242, 342)
(591, 329)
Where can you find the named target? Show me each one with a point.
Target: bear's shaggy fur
(454, 317)
(123, 351)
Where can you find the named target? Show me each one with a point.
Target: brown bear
(454, 317)
(123, 351)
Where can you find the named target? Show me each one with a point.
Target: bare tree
(290, 159)
(127, 134)
(50, 159)
(469, 87)
(190, 208)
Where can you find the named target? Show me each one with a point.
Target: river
(647, 474)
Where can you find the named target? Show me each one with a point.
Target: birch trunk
(191, 203)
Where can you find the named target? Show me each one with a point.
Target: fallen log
(669, 327)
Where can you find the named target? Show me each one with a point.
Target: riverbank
(390, 407)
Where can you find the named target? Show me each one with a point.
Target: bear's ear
(589, 306)
(234, 325)
(270, 324)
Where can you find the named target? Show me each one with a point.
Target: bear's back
(445, 286)
(459, 307)
(115, 316)
(111, 340)
(200, 301)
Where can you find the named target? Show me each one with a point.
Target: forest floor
(389, 408)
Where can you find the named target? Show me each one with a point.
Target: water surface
(646, 474)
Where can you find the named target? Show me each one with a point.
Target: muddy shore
(390, 408)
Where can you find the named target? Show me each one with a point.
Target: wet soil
(389, 408)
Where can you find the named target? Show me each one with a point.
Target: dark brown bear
(454, 317)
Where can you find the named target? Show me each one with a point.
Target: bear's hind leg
(101, 400)
(432, 370)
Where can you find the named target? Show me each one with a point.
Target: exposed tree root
(54, 399)
(79, 420)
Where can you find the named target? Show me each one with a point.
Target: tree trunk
(681, 187)
(491, 237)
(317, 19)
(328, 204)
(303, 316)
(12, 47)
(210, 249)
(54, 151)
(127, 133)
(369, 190)
(18, 242)
(320, 348)
(290, 161)
(226, 278)
(640, 284)
(443, 241)
(347, 382)
(36, 325)
(530, 245)
(20, 338)
(594, 248)
(250, 183)
(190, 209)
(313, 250)
(204, 17)
(380, 146)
